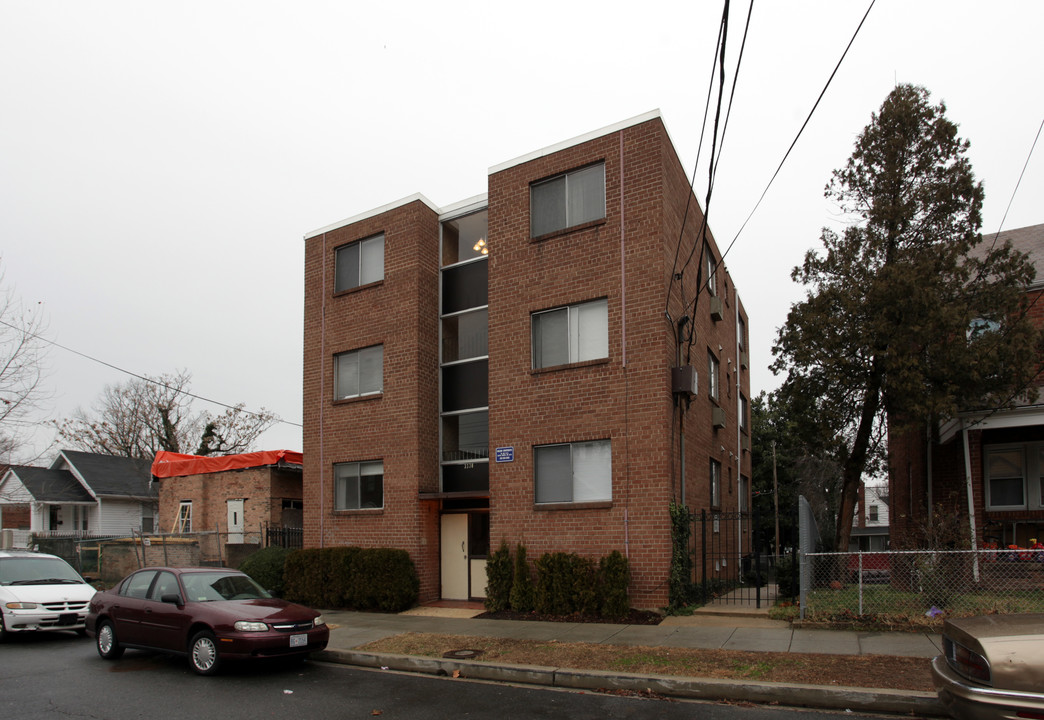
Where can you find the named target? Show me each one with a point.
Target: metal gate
(735, 562)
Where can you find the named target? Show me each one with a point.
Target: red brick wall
(262, 489)
(629, 403)
(398, 426)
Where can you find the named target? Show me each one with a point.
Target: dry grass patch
(873, 671)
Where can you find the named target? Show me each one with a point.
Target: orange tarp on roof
(170, 464)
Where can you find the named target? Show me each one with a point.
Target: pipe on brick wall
(623, 352)
(322, 405)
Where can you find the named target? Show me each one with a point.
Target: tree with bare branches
(144, 415)
(22, 353)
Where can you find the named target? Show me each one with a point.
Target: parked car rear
(40, 592)
(992, 666)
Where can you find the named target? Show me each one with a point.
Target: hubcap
(203, 654)
(105, 638)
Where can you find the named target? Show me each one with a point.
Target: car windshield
(211, 586)
(37, 570)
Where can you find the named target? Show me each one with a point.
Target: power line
(803, 126)
(145, 378)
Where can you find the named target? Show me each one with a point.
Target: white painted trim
(464, 207)
(586, 137)
(373, 213)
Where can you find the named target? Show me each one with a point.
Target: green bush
(266, 568)
(499, 572)
(521, 582)
(614, 576)
(566, 584)
(351, 577)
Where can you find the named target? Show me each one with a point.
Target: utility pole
(775, 497)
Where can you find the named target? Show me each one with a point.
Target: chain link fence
(902, 585)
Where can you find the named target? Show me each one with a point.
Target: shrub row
(353, 578)
(565, 584)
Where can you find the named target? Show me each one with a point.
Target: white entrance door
(235, 521)
(455, 557)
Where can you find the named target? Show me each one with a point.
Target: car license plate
(67, 619)
(298, 641)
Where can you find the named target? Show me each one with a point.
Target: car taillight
(967, 663)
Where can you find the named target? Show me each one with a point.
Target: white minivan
(40, 592)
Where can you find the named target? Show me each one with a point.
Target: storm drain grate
(462, 654)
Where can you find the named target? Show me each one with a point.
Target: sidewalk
(736, 629)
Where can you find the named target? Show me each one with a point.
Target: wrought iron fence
(901, 585)
(287, 537)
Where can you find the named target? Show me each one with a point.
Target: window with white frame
(573, 472)
(567, 200)
(359, 263)
(743, 413)
(712, 376)
(359, 372)
(359, 485)
(715, 483)
(1006, 477)
(873, 514)
(712, 271)
(571, 334)
(185, 516)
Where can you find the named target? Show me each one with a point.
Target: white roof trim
(372, 213)
(464, 207)
(616, 127)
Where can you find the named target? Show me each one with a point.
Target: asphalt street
(61, 675)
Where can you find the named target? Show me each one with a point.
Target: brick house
(550, 363)
(239, 495)
(983, 466)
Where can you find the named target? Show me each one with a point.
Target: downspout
(739, 417)
(322, 404)
(971, 501)
(623, 354)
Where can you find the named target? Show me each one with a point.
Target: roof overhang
(1024, 416)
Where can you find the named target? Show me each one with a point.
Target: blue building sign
(505, 454)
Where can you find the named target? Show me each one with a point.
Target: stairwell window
(571, 334)
(359, 263)
(573, 472)
(359, 372)
(567, 200)
(359, 485)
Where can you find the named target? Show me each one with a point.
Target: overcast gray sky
(160, 162)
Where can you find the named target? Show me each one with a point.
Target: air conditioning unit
(717, 417)
(684, 380)
(744, 360)
(716, 312)
(744, 442)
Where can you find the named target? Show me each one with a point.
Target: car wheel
(3, 630)
(108, 646)
(203, 653)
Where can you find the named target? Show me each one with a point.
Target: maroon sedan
(209, 614)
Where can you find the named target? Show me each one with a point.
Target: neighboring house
(242, 495)
(984, 467)
(870, 529)
(520, 367)
(80, 494)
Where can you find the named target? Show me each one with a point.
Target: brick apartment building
(551, 363)
(984, 466)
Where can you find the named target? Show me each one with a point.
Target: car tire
(3, 631)
(106, 641)
(203, 653)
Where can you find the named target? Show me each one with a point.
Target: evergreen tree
(910, 313)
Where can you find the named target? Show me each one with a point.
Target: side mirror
(172, 598)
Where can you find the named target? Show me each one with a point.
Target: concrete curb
(811, 696)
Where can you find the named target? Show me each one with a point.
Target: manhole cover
(461, 654)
